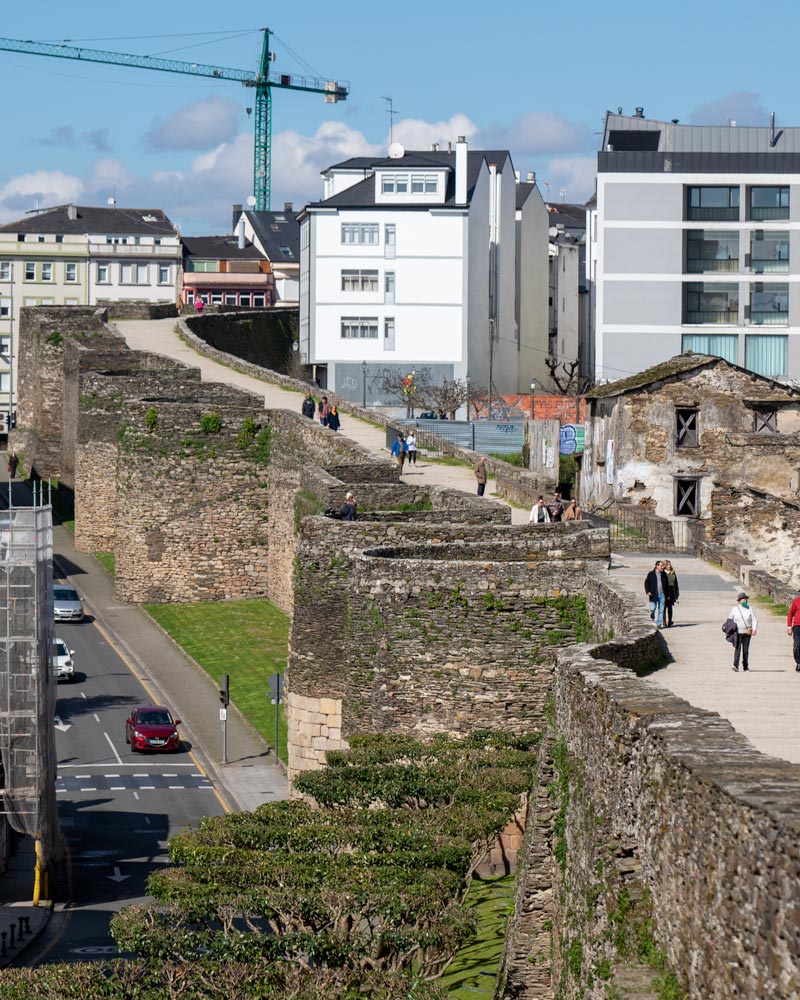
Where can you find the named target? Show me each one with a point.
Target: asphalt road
(117, 808)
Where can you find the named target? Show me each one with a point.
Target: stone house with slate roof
(672, 435)
(409, 261)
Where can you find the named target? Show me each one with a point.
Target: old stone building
(669, 436)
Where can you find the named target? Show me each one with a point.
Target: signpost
(276, 690)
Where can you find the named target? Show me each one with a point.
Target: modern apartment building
(695, 245)
(76, 255)
(409, 262)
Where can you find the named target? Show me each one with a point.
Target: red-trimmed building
(223, 273)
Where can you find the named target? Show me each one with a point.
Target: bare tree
(406, 387)
(567, 378)
(446, 397)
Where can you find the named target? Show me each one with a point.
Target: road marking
(147, 788)
(96, 716)
(122, 763)
(174, 787)
(113, 748)
(147, 820)
(136, 795)
(83, 694)
(79, 776)
(87, 789)
(61, 726)
(117, 876)
(110, 775)
(117, 788)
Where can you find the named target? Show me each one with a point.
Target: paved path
(159, 337)
(763, 704)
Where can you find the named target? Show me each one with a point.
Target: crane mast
(261, 81)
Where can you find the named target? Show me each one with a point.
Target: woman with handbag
(746, 625)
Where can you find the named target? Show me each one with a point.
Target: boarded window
(765, 421)
(686, 433)
(687, 497)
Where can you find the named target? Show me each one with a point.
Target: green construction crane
(262, 154)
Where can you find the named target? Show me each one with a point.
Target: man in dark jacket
(309, 407)
(656, 586)
(348, 511)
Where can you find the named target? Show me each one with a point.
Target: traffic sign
(223, 714)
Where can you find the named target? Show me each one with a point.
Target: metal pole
(363, 384)
(277, 709)
(225, 740)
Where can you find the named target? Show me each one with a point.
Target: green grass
(473, 973)
(446, 460)
(248, 640)
(106, 560)
(782, 610)
(514, 458)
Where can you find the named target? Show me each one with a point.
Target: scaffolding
(27, 682)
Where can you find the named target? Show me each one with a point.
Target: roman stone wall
(764, 528)
(138, 309)
(43, 331)
(424, 635)
(261, 337)
(192, 505)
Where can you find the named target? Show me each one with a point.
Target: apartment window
(359, 327)
(389, 240)
(20, 237)
(394, 184)
(203, 266)
(769, 203)
(5, 345)
(157, 241)
(423, 184)
(133, 274)
(163, 274)
(769, 304)
(116, 239)
(710, 303)
(718, 204)
(59, 238)
(769, 252)
(720, 345)
(190, 296)
(102, 274)
(765, 420)
(41, 239)
(216, 298)
(230, 298)
(244, 299)
(707, 250)
(258, 300)
(686, 430)
(360, 281)
(287, 252)
(766, 354)
(70, 302)
(5, 381)
(71, 272)
(388, 287)
(360, 233)
(30, 270)
(5, 312)
(47, 271)
(687, 497)
(5, 270)
(388, 333)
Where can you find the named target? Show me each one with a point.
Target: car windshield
(61, 648)
(154, 719)
(65, 594)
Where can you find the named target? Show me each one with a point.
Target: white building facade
(696, 246)
(409, 263)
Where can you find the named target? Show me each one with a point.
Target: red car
(151, 727)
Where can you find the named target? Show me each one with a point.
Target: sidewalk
(762, 704)
(159, 337)
(16, 892)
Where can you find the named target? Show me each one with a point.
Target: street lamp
(533, 397)
(9, 358)
(363, 384)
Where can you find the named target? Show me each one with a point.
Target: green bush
(151, 419)
(211, 423)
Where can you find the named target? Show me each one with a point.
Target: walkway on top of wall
(158, 337)
(762, 704)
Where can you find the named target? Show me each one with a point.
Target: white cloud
(199, 125)
(744, 107)
(42, 187)
(413, 133)
(537, 134)
(574, 175)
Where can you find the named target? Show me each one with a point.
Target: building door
(388, 288)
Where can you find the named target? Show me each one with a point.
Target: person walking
(793, 628)
(573, 512)
(673, 591)
(480, 475)
(334, 423)
(324, 411)
(309, 407)
(399, 449)
(348, 511)
(411, 448)
(199, 304)
(539, 513)
(556, 507)
(13, 462)
(656, 586)
(746, 625)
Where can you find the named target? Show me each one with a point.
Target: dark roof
(570, 216)
(362, 194)
(672, 367)
(114, 221)
(524, 190)
(219, 248)
(277, 230)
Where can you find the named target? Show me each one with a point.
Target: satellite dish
(251, 200)
(396, 151)
(111, 201)
(553, 230)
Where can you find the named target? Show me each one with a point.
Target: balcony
(763, 265)
(764, 214)
(692, 317)
(698, 266)
(771, 317)
(714, 213)
(134, 250)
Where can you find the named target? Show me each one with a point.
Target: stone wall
(261, 337)
(426, 628)
(762, 527)
(138, 309)
(708, 826)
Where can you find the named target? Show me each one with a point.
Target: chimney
(72, 212)
(288, 206)
(434, 147)
(237, 211)
(531, 176)
(639, 113)
(461, 171)
(241, 234)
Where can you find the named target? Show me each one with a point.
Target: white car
(62, 662)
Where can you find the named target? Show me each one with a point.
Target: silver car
(63, 666)
(67, 605)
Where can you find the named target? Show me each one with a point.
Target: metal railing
(634, 529)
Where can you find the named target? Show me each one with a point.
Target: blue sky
(534, 78)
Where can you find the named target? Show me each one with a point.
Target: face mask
(745, 604)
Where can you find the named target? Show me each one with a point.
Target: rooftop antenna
(391, 113)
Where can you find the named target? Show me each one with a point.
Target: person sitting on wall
(348, 511)
(539, 513)
(573, 512)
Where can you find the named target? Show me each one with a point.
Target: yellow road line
(154, 697)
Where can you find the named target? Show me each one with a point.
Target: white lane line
(147, 820)
(113, 748)
(117, 788)
(57, 791)
(136, 795)
(123, 764)
(147, 788)
(167, 775)
(110, 775)
(141, 775)
(173, 787)
(87, 789)
(83, 694)
(78, 777)
(96, 716)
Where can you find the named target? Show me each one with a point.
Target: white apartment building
(76, 255)
(409, 262)
(695, 245)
